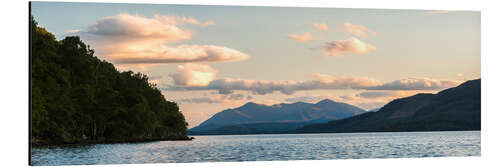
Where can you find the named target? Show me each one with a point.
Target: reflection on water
(267, 148)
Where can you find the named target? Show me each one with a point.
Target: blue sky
(251, 54)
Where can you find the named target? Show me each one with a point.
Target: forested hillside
(77, 98)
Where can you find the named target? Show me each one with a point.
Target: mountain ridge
(299, 113)
(452, 109)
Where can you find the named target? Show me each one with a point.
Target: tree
(78, 98)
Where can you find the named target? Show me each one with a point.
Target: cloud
(349, 46)
(236, 97)
(376, 99)
(255, 86)
(321, 82)
(217, 99)
(438, 11)
(306, 37)
(179, 54)
(138, 40)
(73, 31)
(289, 86)
(307, 99)
(416, 84)
(193, 75)
(320, 26)
(385, 94)
(346, 82)
(358, 30)
(208, 23)
(181, 20)
(134, 27)
(376, 94)
(201, 100)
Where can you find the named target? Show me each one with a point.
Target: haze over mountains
(258, 118)
(453, 109)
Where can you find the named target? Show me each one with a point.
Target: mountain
(259, 118)
(453, 109)
(374, 110)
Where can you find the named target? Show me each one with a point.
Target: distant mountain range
(253, 118)
(453, 109)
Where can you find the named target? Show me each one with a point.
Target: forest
(78, 98)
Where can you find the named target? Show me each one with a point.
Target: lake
(278, 147)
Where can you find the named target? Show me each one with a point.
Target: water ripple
(268, 148)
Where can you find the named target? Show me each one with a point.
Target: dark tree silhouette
(78, 98)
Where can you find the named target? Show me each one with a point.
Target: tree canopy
(77, 97)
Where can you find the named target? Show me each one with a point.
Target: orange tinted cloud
(320, 26)
(177, 54)
(142, 41)
(193, 75)
(181, 20)
(358, 30)
(349, 46)
(134, 27)
(306, 37)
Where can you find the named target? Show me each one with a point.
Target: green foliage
(78, 98)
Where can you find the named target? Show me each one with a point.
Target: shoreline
(89, 142)
(334, 132)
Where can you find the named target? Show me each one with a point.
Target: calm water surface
(268, 148)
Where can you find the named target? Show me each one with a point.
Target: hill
(453, 109)
(77, 98)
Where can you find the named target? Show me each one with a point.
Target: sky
(211, 58)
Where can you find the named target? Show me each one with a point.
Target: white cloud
(306, 37)
(232, 98)
(181, 20)
(307, 99)
(358, 30)
(349, 46)
(322, 82)
(385, 94)
(255, 86)
(320, 26)
(416, 84)
(228, 85)
(138, 40)
(193, 75)
(346, 82)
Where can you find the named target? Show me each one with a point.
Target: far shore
(298, 133)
